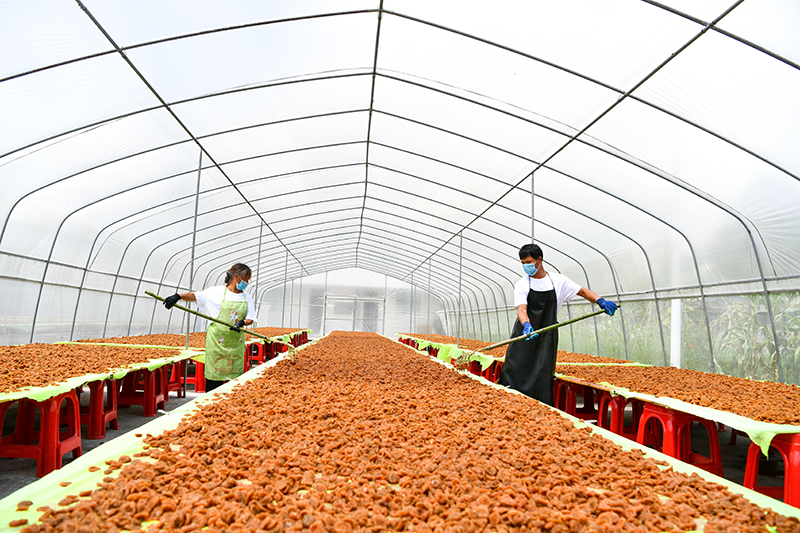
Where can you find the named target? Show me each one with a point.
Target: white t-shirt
(566, 289)
(210, 301)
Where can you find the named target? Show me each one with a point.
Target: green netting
(42, 393)
(761, 433)
(48, 491)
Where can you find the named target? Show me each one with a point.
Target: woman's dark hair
(531, 250)
(239, 268)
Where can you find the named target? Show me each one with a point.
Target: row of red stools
(663, 428)
(260, 352)
(669, 431)
(61, 417)
(492, 372)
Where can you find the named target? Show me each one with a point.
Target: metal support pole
(385, 302)
(291, 304)
(460, 261)
(283, 293)
(300, 305)
(324, 304)
(532, 206)
(411, 307)
(428, 326)
(191, 267)
(675, 343)
(258, 269)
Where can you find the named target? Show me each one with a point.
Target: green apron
(224, 347)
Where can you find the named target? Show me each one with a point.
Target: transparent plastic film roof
(379, 163)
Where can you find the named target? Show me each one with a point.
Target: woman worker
(224, 345)
(538, 296)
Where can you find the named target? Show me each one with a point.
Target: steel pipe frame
(445, 278)
(369, 121)
(176, 238)
(417, 20)
(470, 302)
(698, 193)
(763, 283)
(381, 221)
(124, 253)
(336, 185)
(167, 107)
(378, 270)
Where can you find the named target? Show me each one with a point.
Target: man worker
(538, 297)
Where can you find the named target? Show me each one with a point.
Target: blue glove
(527, 329)
(607, 306)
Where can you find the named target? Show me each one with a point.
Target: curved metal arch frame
(473, 293)
(359, 163)
(760, 267)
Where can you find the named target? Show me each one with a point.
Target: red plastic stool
(616, 423)
(101, 410)
(676, 438)
(52, 442)
(175, 380)
(565, 396)
(588, 411)
(144, 387)
(788, 444)
(735, 433)
(198, 379)
(488, 372)
(560, 394)
(498, 369)
(475, 368)
(256, 352)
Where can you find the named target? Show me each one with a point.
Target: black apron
(530, 364)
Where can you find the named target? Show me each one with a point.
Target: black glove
(239, 324)
(169, 301)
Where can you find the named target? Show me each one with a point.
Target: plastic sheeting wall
(351, 300)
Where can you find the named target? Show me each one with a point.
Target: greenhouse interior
(354, 181)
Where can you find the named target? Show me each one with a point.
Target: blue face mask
(529, 268)
(242, 285)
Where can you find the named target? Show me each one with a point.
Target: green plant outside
(739, 326)
(741, 335)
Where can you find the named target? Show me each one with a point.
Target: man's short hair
(530, 250)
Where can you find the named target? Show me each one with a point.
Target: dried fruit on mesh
(365, 434)
(39, 365)
(767, 401)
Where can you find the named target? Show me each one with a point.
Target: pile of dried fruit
(571, 357)
(39, 365)
(364, 434)
(276, 332)
(196, 340)
(472, 344)
(468, 344)
(766, 401)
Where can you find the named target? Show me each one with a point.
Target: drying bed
(344, 441)
(196, 340)
(472, 344)
(468, 344)
(43, 365)
(764, 401)
(278, 332)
